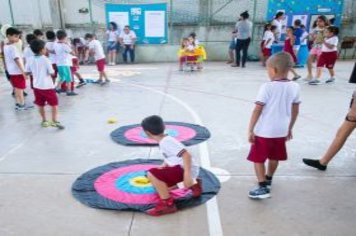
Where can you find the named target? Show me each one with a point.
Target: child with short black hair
(15, 67)
(298, 32)
(328, 55)
(40, 68)
(267, 41)
(51, 39)
(39, 34)
(27, 53)
(96, 49)
(272, 122)
(64, 53)
(178, 166)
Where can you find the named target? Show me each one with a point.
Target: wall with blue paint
(308, 7)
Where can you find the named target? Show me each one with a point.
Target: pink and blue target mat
(188, 134)
(124, 186)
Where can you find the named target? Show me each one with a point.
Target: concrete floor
(38, 166)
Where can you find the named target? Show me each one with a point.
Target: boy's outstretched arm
(254, 118)
(187, 166)
(295, 112)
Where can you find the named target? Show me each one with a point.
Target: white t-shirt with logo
(268, 35)
(172, 151)
(41, 69)
(128, 38)
(63, 54)
(277, 98)
(28, 54)
(51, 54)
(333, 41)
(11, 53)
(96, 46)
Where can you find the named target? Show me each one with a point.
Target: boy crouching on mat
(178, 166)
(40, 67)
(272, 121)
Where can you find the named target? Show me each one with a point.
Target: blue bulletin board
(307, 11)
(149, 21)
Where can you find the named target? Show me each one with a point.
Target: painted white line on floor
(214, 222)
(12, 150)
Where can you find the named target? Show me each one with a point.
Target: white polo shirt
(28, 54)
(96, 46)
(128, 38)
(63, 54)
(11, 53)
(41, 69)
(333, 41)
(51, 54)
(268, 35)
(172, 151)
(277, 98)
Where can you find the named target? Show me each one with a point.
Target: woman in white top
(128, 41)
(278, 22)
(113, 46)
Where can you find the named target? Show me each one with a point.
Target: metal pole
(254, 19)
(171, 21)
(91, 16)
(11, 13)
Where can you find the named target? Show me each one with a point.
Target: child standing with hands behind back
(40, 67)
(272, 121)
(178, 166)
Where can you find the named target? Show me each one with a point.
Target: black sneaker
(57, 124)
(81, 84)
(71, 93)
(314, 163)
(269, 184)
(259, 193)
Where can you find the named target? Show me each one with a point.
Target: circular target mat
(124, 186)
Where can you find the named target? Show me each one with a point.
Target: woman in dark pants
(244, 30)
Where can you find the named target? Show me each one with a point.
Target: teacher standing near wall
(278, 22)
(243, 38)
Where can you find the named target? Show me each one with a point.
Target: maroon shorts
(170, 175)
(18, 81)
(327, 59)
(100, 65)
(267, 52)
(43, 96)
(268, 148)
(75, 67)
(54, 77)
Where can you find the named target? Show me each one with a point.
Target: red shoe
(162, 208)
(197, 189)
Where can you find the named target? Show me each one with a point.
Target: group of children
(191, 53)
(51, 67)
(323, 44)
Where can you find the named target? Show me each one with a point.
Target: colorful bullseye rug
(188, 134)
(124, 186)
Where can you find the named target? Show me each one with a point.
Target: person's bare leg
(341, 136)
(160, 186)
(19, 97)
(311, 59)
(55, 113)
(42, 112)
(101, 76)
(260, 171)
(231, 56)
(293, 72)
(105, 75)
(272, 167)
(332, 73)
(114, 57)
(319, 71)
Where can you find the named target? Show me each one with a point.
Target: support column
(56, 14)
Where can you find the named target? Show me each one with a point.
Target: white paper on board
(154, 23)
(302, 18)
(120, 18)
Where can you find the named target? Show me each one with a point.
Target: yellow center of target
(140, 181)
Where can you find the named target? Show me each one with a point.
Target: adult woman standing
(113, 46)
(243, 38)
(278, 22)
(128, 41)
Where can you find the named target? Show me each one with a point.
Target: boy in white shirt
(64, 54)
(178, 166)
(328, 55)
(28, 54)
(15, 67)
(268, 39)
(40, 68)
(51, 38)
(272, 121)
(96, 49)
